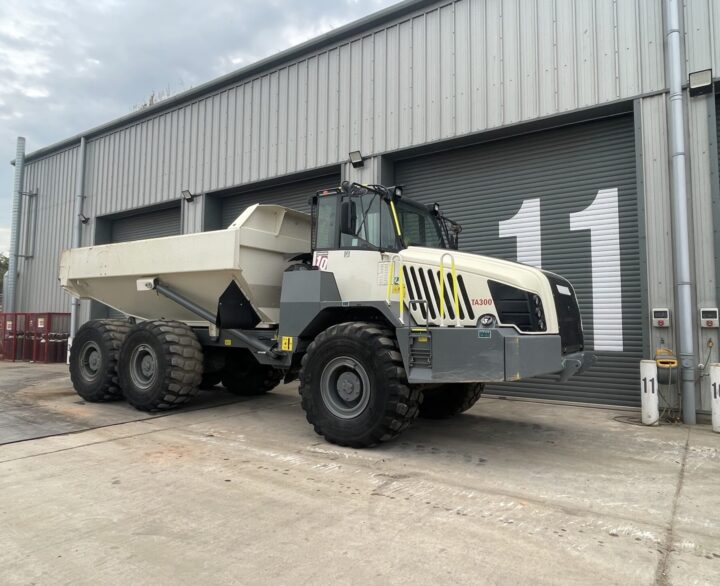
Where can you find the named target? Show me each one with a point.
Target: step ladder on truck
(367, 301)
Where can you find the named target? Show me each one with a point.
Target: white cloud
(35, 92)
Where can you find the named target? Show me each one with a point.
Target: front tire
(450, 399)
(94, 358)
(353, 386)
(161, 365)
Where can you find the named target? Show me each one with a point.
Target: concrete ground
(243, 492)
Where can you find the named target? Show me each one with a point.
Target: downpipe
(12, 273)
(77, 237)
(681, 233)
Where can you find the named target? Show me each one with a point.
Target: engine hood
(504, 271)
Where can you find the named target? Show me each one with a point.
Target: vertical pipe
(681, 236)
(11, 279)
(77, 233)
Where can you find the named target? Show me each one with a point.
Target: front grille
(424, 283)
(518, 307)
(568, 312)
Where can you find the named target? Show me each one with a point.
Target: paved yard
(242, 491)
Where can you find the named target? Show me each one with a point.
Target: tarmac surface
(241, 491)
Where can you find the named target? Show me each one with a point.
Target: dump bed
(253, 252)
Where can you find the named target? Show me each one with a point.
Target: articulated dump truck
(367, 301)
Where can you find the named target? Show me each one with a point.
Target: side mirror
(348, 218)
(455, 230)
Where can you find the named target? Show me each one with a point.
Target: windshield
(366, 223)
(420, 227)
(363, 218)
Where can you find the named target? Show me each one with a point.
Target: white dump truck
(366, 300)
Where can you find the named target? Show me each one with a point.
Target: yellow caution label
(228, 342)
(286, 343)
(396, 289)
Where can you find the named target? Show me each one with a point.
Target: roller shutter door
(153, 224)
(293, 195)
(565, 200)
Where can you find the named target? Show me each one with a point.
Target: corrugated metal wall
(462, 67)
(702, 22)
(54, 179)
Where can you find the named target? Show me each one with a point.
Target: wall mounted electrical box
(661, 317)
(709, 317)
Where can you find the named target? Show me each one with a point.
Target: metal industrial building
(540, 125)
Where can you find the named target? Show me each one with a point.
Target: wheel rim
(345, 387)
(90, 360)
(143, 366)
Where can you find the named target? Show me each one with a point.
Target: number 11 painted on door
(601, 217)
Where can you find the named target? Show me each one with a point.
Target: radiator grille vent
(424, 283)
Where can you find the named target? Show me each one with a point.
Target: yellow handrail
(391, 280)
(456, 301)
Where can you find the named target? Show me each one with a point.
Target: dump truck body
(252, 253)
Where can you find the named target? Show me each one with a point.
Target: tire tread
(184, 359)
(113, 333)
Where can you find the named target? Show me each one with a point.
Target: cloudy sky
(69, 65)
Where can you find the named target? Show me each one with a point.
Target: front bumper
(453, 355)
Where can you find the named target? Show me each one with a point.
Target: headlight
(518, 307)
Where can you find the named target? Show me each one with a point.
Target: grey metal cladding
(293, 195)
(54, 180)
(565, 168)
(702, 51)
(446, 70)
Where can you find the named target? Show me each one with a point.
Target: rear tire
(161, 365)
(450, 399)
(94, 358)
(353, 386)
(245, 377)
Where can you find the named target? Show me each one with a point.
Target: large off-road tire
(94, 357)
(160, 366)
(244, 376)
(450, 399)
(353, 385)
